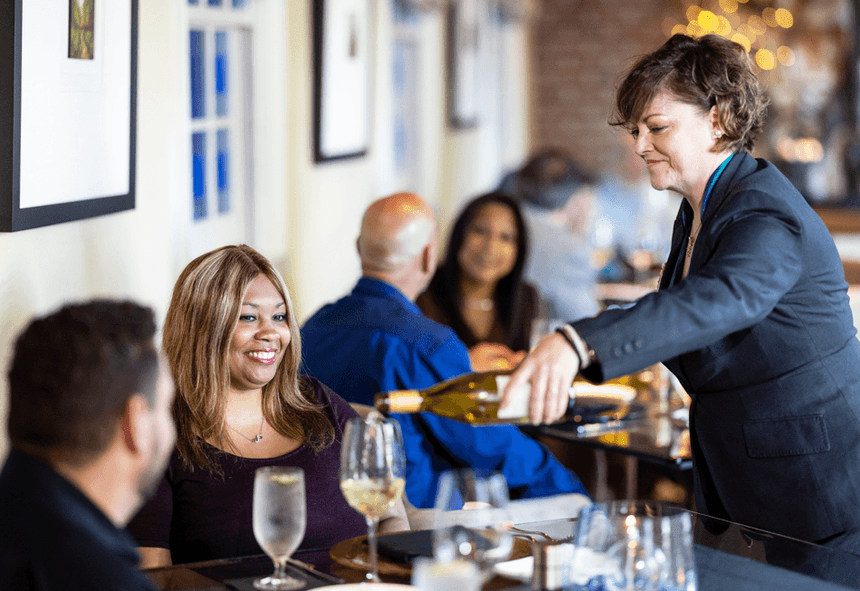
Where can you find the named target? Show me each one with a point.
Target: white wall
(307, 215)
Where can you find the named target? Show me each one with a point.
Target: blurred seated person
(478, 289)
(375, 339)
(629, 214)
(233, 344)
(557, 198)
(90, 427)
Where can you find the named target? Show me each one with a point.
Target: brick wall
(581, 50)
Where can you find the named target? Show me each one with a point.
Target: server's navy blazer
(761, 334)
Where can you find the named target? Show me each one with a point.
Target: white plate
(367, 587)
(520, 569)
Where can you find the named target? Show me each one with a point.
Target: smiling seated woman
(232, 342)
(478, 290)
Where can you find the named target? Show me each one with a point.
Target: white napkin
(586, 564)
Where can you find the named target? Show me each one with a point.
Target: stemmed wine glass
(280, 518)
(372, 472)
(478, 530)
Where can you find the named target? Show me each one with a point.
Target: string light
(765, 59)
(784, 18)
(725, 18)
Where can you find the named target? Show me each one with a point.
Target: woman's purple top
(199, 515)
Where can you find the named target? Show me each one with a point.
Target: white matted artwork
(341, 79)
(464, 36)
(72, 87)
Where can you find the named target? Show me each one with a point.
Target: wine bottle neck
(399, 401)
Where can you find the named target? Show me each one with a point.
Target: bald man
(376, 339)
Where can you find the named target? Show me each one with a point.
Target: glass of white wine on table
(279, 521)
(372, 472)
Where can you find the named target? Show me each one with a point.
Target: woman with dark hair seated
(478, 289)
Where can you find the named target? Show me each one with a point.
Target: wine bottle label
(404, 401)
(519, 405)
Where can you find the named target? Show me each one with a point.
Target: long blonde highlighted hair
(203, 313)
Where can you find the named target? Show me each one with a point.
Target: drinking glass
(624, 545)
(615, 547)
(479, 530)
(372, 472)
(279, 518)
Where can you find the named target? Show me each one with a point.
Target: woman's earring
(718, 134)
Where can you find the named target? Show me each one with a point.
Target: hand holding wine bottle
(492, 396)
(549, 369)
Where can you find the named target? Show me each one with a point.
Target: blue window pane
(194, 2)
(198, 157)
(238, 3)
(221, 73)
(198, 88)
(214, 2)
(404, 13)
(223, 171)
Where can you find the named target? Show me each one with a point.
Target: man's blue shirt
(375, 340)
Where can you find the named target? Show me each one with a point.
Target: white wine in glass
(280, 518)
(372, 472)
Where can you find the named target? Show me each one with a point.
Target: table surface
(658, 436)
(729, 556)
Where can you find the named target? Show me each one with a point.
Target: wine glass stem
(373, 575)
(280, 567)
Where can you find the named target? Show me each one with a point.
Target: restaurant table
(728, 556)
(657, 435)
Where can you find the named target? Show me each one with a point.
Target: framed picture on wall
(462, 48)
(68, 80)
(341, 37)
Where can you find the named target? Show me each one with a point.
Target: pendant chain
(258, 438)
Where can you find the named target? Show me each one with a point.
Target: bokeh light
(729, 6)
(747, 32)
(693, 13)
(808, 150)
(785, 55)
(757, 24)
(769, 16)
(708, 21)
(765, 59)
(668, 25)
(783, 18)
(694, 29)
(742, 40)
(724, 27)
(679, 30)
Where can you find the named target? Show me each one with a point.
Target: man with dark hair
(91, 430)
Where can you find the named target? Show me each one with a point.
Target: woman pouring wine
(752, 311)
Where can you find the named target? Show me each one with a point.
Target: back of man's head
(72, 374)
(394, 230)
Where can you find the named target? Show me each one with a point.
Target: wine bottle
(470, 398)
(474, 398)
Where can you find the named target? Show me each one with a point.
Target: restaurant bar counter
(728, 556)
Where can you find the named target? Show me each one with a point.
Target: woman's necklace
(484, 304)
(258, 438)
(691, 243)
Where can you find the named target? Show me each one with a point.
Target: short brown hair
(200, 321)
(72, 374)
(707, 71)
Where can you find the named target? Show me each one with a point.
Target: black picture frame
(16, 215)
(463, 35)
(342, 113)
